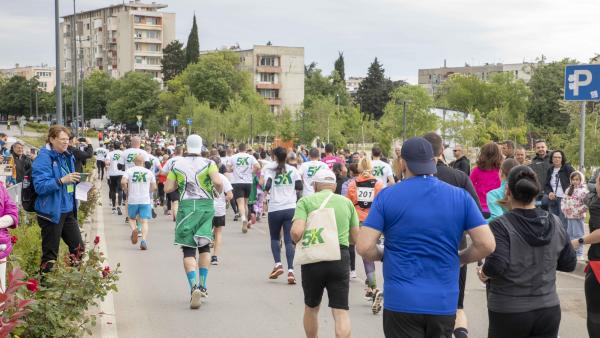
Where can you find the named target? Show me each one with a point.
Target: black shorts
(191, 252)
(241, 190)
(173, 196)
(333, 276)
(218, 221)
(411, 325)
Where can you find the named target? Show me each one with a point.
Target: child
(574, 209)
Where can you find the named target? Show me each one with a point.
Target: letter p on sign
(579, 78)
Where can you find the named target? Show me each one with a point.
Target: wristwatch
(580, 240)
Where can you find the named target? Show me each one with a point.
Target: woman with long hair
(362, 191)
(557, 182)
(531, 245)
(496, 199)
(486, 174)
(281, 181)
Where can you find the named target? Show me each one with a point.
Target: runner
(281, 181)
(330, 159)
(101, 153)
(330, 275)
(362, 192)
(197, 180)
(139, 182)
(173, 196)
(309, 169)
(128, 157)
(218, 221)
(242, 165)
(382, 170)
(114, 177)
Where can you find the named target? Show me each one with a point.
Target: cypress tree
(192, 49)
(339, 66)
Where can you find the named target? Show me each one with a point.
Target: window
(269, 93)
(138, 46)
(267, 61)
(137, 19)
(138, 59)
(87, 26)
(153, 34)
(153, 47)
(267, 77)
(43, 85)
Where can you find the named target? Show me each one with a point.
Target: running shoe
(126, 219)
(134, 236)
(369, 293)
(236, 217)
(119, 212)
(114, 210)
(143, 245)
(353, 274)
(196, 298)
(203, 292)
(244, 225)
(291, 278)
(214, 260)
(377, 300)
(277, 271)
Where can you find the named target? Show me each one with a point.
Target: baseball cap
(194, 144)
(417, 152)
(324, 176)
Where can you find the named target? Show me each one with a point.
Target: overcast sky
(404, 35)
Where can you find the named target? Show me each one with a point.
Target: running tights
(115, 190)
(592, 299)
(278, 220)
(370, 272)
(352, 250)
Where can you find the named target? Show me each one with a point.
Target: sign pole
(582, 137)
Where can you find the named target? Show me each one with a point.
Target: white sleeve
(122, 158)
(226, 185)
(389, 172)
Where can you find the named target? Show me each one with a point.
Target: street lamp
(57, 88)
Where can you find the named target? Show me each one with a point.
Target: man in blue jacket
(54, 180)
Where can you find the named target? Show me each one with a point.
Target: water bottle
(26, 182)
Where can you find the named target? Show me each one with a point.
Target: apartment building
(117, 39)
(277, 73)
(432, 78)
(45, 75)
(352, 84)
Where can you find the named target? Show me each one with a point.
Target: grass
(35, 141)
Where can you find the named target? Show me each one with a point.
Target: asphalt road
(153, 292)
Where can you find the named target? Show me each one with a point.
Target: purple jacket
(7, 207)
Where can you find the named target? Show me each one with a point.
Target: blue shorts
(143, 210)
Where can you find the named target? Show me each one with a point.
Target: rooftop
(134, 3)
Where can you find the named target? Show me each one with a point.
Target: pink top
(330, 160)
(484, 181)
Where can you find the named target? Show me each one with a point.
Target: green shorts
(194, 223)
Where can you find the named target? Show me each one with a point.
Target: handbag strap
(326, 201)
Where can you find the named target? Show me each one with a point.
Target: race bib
(365, 194)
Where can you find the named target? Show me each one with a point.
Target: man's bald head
(139, 160)
(135, 142)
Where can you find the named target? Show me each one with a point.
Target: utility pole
(582, 137)
(74, 113)
(58, 88)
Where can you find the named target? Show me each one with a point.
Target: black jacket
(81, 156)
(564, 175)
(463, 164)
(540, 166)
(456, 178)
(22, 165)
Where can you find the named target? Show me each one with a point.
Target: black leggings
(536, 323)
(115, 190)
(592, 299)
(100, 165)
(352, 250)
(161, 193)
(278, 221)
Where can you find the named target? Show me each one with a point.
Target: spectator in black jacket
(82, 150)
(461, 163)
(540, 164)
(557, 182)
(21, 163)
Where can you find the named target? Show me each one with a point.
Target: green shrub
(37, 127)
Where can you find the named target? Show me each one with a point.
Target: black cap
(417, 152)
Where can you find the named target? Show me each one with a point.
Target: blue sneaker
(143, 245)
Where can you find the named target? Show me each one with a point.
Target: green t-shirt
(345, 214)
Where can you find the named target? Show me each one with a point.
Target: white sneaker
(244, 225)
(352, 273)
(196, 299)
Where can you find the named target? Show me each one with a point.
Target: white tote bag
(320, 241)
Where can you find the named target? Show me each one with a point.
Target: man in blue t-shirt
(422, 220)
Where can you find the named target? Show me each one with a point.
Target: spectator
(54, 181)
(330, 159)
(9, 219)
(341, 175)
(4, 152)
(19, 162)
(508, 149)
(496, 199)
(520, 156)
(557, 182)
(540, 164)
(486, 175)
(81, 150)
(574, 208)
(531, 245)
(422, 220)
(461, 162)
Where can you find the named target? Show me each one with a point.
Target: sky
(403, 35)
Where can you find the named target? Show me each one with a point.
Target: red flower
(106, 271)
(14, 239)
(96, 240)
(32, 285)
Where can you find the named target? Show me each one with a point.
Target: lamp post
(58, 89)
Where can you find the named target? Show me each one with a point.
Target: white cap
(194, 144)
(324, 176)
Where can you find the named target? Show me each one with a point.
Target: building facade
(277, 74)
(45, 75)
(352, 84)
(117, 39)
(432, 78)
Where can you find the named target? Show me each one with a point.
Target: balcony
(148, 53)
(266, 85)
(142, 66)
(268, 69)
(273, 101)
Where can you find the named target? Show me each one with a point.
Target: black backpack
(28, 194)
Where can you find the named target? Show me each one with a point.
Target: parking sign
(582, 82)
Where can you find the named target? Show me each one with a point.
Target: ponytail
(280, 154)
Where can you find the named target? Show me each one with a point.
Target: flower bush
(14, 301)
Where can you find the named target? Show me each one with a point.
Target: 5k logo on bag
(139, 177)
(242, 161)
(284, 178)
(312, 237)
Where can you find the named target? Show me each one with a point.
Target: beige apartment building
(118, 39)
(432, 78)
(45, 75)
(352, 84)
(277, 73)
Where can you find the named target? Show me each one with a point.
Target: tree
(17, 96)
(134, 94)
(173, 61)
(339, 67)
(96, 91)
(374, 91)
(192, 49)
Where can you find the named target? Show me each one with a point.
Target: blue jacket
(46, 173)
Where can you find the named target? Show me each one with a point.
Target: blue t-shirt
(422, 219)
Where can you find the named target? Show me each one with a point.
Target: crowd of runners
(425, 218)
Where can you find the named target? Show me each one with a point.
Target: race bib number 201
(365, 195)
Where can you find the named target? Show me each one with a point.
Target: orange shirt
(353, 194)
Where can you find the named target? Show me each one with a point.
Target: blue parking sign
(174, 123)
(582, 82)
(189, 122)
